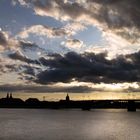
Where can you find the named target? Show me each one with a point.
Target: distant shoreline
(34, 103)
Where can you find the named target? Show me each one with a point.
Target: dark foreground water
(41, 124)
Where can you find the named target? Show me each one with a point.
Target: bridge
(130, 104)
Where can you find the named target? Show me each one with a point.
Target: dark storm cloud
(90, 67)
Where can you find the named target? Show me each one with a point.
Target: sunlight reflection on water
(41, 124)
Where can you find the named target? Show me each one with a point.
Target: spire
(11, 96)
(67, 98)
(7, 95)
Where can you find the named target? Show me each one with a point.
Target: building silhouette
(11, 102)
(67, 98)
(7, 95)
(11, 96)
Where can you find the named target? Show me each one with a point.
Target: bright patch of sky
(90, 36)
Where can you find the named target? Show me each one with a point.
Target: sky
(74, 46)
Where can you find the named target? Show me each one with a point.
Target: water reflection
(35, 124)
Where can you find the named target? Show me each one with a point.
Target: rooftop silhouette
(10, 102)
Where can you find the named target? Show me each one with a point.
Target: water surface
(44, 124)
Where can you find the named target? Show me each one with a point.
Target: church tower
(67, 98)
(11, 96)
(7, 95)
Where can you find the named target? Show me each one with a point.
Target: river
(45, 124)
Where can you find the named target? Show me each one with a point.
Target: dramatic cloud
(16, 56)
(104, 36)
(12, 49)
(90, 67)
(110, 16)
